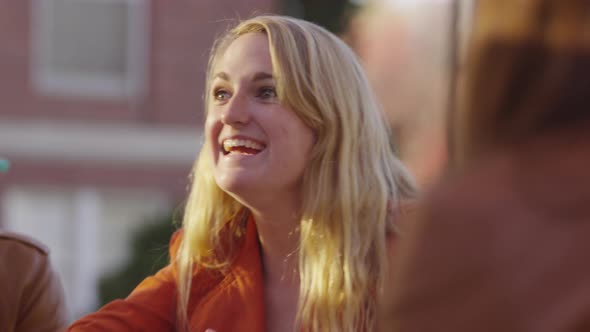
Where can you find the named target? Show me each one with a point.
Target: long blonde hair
(350, 186)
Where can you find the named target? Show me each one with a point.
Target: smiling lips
(242, 146)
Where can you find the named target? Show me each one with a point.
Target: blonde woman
(290, 214)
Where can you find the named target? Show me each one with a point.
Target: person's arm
(43, 305)
(150, 307)
(32, 298)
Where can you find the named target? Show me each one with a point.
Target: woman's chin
(237, 186)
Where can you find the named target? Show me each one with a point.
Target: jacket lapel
(234, 302)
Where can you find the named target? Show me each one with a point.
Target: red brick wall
(183, 36)
(180, 37)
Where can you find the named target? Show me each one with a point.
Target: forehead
(246, 53)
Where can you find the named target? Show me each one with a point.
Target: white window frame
(48, 81)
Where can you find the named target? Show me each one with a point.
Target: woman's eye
(221, 95)
(267, 93)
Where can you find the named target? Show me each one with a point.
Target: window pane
(88, 37)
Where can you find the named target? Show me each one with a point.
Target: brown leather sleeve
(43, 306)
(32, 295)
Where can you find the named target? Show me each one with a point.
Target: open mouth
(241, 146)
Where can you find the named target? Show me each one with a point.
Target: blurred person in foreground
(290, 214)
(31, 295)
(403, 47)
(503, 245)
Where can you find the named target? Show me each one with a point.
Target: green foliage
(149, 254)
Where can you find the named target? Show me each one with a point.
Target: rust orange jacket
(233, 301)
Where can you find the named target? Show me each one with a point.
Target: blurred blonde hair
(349, 187)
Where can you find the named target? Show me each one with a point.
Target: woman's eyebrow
(260, 76)
(221, 75)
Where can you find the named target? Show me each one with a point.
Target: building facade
(101, 120)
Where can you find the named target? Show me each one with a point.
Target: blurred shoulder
(487, 190)
(24, 242)
(488, 181)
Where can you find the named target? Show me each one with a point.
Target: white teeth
(231, 143)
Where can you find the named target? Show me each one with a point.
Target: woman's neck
(278, 232)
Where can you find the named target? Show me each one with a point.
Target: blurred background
(101, 115)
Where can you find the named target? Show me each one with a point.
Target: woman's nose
(236, 112)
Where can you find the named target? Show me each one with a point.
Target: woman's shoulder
(151, 306)
(174, 244)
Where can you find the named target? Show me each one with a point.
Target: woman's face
(259, 146)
